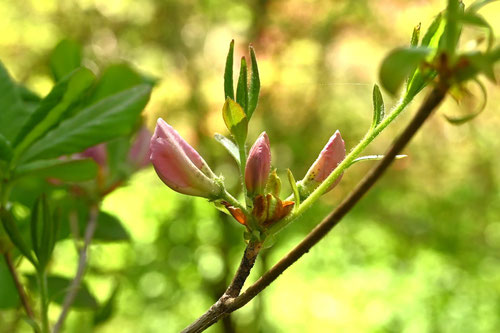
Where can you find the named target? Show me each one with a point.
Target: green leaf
(434, 32)
(378, 107)
(105, 312)
(254, 88)
(114, 79)
(228, 73)
(58, 287)
(43, 231)
(52, 108)
(452, 29)
(5, 149)
(110, 229)
(11, 229)
(12, 115)
(399, 64)
(236, 120)
(477, 5)
(415, 35)
(242, 87)
(293, 185)
(9, 297)
(229, 145)
(107, 119)
(65, 170)
(477, 20)
(373, 158)
(479, 63)
(66, 57)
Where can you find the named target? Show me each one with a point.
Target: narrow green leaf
(254, 88)
(236, 120)
(105, 312)
(378, 107)
(11, 229)
(65, 170)
(373, 158)
(415, 35)
(229, 145)
(434, 32)
(52, 108)
(66, 57)
(107, 119)
(12, 113)
(42, 231)
(110, 229)
(58, 287)
(477, 5)
(398, 64)
(452, 29)
(242, 88)
(295, 190)
(228, 73)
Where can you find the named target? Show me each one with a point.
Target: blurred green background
(420, 253)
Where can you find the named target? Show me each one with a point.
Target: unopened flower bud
(179, 165)
(332, 154)
(258, 165)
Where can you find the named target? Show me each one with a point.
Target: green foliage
(44, 231)
(378, 107)
(64, 170)
(236, 121)
(8, 295)
(110, 229)
(65, 58)
(242, 86)
(228, 73)
(229, 145)
(15, 236)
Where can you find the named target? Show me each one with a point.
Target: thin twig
(432, 101)
(217, 310)
(82, 265)
(19, 286)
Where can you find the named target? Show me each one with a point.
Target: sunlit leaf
(228, 73)
(236, 120)
(415, 35)
(295, 190)
(378, 107)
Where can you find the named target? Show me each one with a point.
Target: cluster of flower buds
(182, 169)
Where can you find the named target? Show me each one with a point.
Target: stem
(20, 289)
(82, 264)
(44, 300)
(432, 101)
(234, 202)
(219, 309)
(321, 189)
(243, 163)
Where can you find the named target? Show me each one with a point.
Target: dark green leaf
(65, 58)
(242, 87)
(114, 79)
(229, 145)
(378, 107)
(110, 229)
(5, 149)
(58, 287)
(52, 108)
(43, 231)
(65, 170)
(8, 296)
(109, 118)
(399, 64)
(415, 35)
(254, 89)
(236, 120)
(13, 115)
(12, 230)
(228, 73)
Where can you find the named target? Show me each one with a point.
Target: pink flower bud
(258, 165)
(98, 153)
(178, 165)
(138, 154)
(332, 154)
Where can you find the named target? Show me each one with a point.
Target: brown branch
(80, 272)
(432, 101)
(220, 307)
(19, 286)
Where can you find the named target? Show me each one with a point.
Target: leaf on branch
(228, 73)
(242, 87)
(236, 120)
(254, 88)
(378, 107)
(229, 145)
